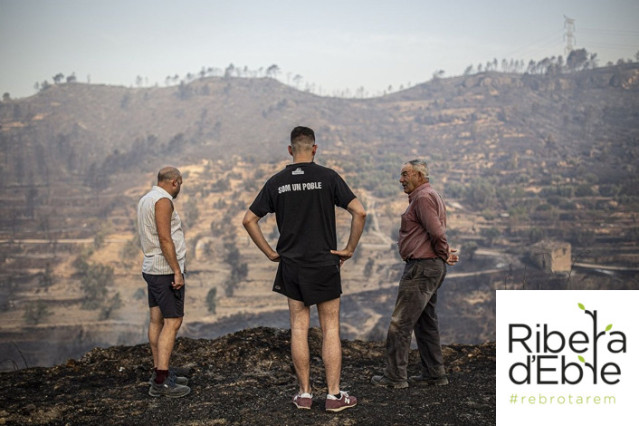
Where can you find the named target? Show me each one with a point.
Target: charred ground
(245, 378)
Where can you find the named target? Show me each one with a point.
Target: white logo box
(558, 382)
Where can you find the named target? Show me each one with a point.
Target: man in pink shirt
(423, 246)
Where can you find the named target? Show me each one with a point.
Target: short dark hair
(301, 132)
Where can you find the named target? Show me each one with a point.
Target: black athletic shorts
(308, 283)
(162, 294)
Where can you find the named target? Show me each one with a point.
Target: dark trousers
(415, 311)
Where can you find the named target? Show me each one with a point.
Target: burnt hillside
(73, 141)
(245, 378)
(519, 159)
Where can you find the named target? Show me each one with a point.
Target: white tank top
(154, 262)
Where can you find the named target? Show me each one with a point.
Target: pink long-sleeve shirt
(422, 234)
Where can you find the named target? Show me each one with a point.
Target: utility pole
(569, 34)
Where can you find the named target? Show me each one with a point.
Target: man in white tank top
(164, 248)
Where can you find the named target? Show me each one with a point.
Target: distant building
(552, 256)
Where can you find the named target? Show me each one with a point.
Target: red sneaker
(303, 400)
(345, 401)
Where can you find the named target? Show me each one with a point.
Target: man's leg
(427, 326)
(427, 336)
(328, 313)
(156, 322)
(164, 383)
(408, 307)
(166, 341)
(300, 316)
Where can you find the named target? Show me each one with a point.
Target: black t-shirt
(303, 197)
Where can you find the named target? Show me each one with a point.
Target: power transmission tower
(569, 34)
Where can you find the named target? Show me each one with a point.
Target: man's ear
(290, 150)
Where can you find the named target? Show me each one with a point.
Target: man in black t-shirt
(303, 197)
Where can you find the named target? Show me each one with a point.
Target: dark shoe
(345, 401)
(178, 379)
(303, 400)
(385, 381)
(422, 380)
(169, 388)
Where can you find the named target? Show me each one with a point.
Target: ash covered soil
(246, 378)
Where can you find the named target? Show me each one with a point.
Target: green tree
(239, 270)
(139, 294)
(489, 235)
(469, 250)
(229, 71)
(94, 284)
(98, 239)
(46, 278)
(130, 250)
(111, 305)
(356, 256)
(436, 75)
(191, 211)
(481, 195)
(81, 263)
(273, 71)
(211, 300)
(584, 190)
(536, 234)
(96, 179)
(577, 59)
(368, 269)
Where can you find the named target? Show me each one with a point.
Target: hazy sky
(335, 45)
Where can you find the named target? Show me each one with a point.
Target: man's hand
(452, 257)
(344, 255)
(178, 281)
(273, 256)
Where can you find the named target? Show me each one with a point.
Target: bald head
(170, 179)
(168, 173)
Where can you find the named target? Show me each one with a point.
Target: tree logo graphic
(594, 316)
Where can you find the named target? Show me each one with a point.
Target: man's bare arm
(163, 213)
(250, 222)
(358, 220)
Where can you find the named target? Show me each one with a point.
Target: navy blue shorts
(310, 284)
(162, 294)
